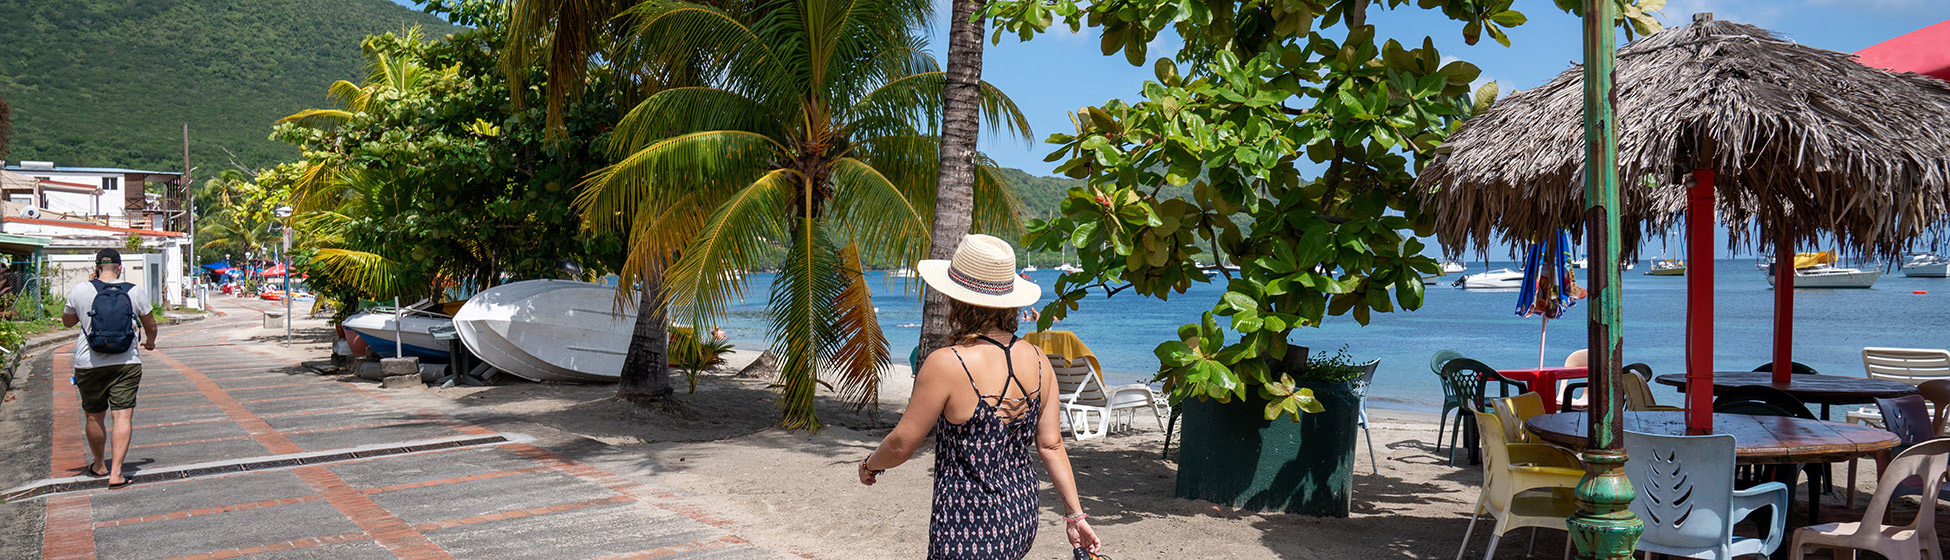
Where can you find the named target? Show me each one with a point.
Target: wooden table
(1760, 440)
(1543, 381)
(1819, 389)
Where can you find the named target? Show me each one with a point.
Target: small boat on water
(1068, 268)
(1499, 279)
(1817, 270)
(1667, 267)
(379, 331)
(1580, 263)
(903, 273)
(1926, 265)
(549, 330)
(1453, 267)
(1028, 269)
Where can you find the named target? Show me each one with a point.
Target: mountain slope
(110, 83)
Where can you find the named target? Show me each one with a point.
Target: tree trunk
(955, 186)
(645, 378)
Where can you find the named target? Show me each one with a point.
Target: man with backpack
(106, 368)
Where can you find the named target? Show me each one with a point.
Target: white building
(81, 210)
(111, 195)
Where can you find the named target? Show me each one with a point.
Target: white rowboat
(549, 330)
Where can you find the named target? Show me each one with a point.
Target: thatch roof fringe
(1800, 139)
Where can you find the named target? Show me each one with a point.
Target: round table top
(1760, 440)
(1818, 389)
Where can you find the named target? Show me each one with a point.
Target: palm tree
(954, 187)
(816, 135)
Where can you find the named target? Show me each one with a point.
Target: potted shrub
(1287, 445)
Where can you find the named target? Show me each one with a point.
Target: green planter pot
(1230, 454)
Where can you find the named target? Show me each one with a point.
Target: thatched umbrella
(1789, 144)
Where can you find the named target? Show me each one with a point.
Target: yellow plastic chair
(1524, 485)
(1514, 411)
(1926, 463)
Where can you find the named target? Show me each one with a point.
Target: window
(111, 183)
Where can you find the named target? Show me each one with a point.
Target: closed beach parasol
(1549, 286)
(1783, 143)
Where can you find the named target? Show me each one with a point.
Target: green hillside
(110, 83)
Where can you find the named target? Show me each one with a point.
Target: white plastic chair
(1361, 385)
(1907, 365)
(1924, 464)
(1085, 398)
(1687, 501)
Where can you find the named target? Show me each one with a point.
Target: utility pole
(1603, 527)
(190, 203)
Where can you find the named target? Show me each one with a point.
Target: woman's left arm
(931, 391)
(1049, 444)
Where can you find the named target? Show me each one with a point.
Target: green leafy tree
(241, 221)
(424, 177)
(6, 128)
(1300, 143)
(814, 134)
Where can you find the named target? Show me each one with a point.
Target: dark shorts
(108, 387)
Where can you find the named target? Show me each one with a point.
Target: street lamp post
(284, 213)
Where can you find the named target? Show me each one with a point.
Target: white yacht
(1667, 267)
(1499, 279)
(1926, 265)
(1453, 267)
(1829, 276)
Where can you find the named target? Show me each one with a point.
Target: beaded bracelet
(1079, 516)
(875, 472)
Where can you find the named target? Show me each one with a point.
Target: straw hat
(982, 273)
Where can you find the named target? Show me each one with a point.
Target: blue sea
(1831, 326)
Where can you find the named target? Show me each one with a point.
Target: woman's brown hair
(967, 321)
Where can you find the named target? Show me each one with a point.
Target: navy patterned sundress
(984, 485)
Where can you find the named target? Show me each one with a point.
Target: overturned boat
(549, 330)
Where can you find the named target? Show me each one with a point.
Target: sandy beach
(797, 491)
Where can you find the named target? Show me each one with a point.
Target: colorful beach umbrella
(1550, 287)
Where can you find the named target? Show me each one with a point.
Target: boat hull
(377, 332)
(549, 330)
(1504, 279)
(1931, 270)
(1861, 279)
(1667, 272)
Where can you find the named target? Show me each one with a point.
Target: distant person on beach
(106, 368)
(987, 407)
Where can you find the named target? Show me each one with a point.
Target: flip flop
(125, 482)
(92, 473)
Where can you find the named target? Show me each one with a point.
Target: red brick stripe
(70, 528)
(205, 511)
(520, 513)
(70, 443)
(386, 528)
(262, 432)
(468, 478)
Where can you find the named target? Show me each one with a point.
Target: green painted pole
(1603, 528)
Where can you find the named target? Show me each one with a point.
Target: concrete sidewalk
(240, 451)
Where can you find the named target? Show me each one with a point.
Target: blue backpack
(112, 320)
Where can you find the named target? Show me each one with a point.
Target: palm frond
(877, 212)
(711, 273)
(804, 319)
(997, 209)
(318, 118)
(685, 110)
(370, 273)
(859, 354)
(714, 164)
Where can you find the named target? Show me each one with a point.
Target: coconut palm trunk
(645, 378)
(955, 186)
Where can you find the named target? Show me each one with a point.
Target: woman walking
(988, 396)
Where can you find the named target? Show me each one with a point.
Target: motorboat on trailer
(389, 333)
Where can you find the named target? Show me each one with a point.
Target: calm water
(1832, 326)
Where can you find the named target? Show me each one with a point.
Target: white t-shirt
(80, 300)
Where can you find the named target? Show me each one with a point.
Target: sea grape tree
(1299, 130)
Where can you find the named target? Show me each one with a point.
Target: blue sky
(1060, 71)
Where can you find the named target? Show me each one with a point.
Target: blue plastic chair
(1687, 500)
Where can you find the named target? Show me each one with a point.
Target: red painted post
(1699, 303)
(1783, 308)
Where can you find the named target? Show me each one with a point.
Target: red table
(1543, 381)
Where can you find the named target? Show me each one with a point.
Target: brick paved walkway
(206, 400)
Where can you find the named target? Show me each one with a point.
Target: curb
(73, 484)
